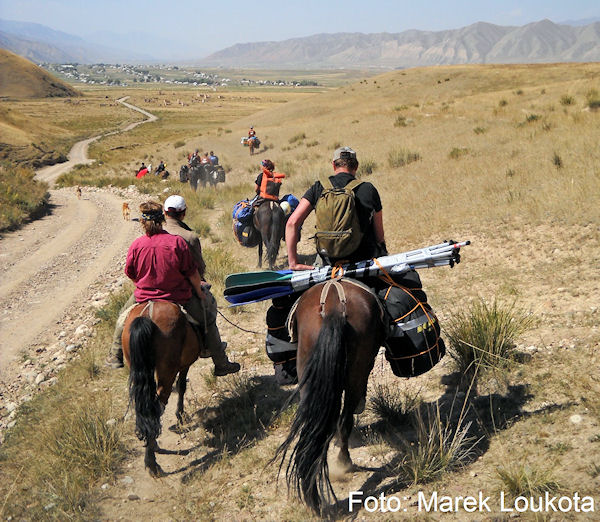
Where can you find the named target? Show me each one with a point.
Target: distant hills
(542, 41)
(23, 79)
(39, 43)
(537, 42)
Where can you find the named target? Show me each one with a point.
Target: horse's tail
(142, 386)
(277, 228)
(318, 414)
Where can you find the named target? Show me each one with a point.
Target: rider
(160, 168)
(251, 133)
(369, 211)
(162, 267)
(205, 160)
(268, 182)
(175, 209)
(368, 206)
(213, 158)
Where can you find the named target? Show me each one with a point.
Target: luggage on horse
(243, 229)
(279, 348)
(413, 344)
(292, 202)
(338, 233)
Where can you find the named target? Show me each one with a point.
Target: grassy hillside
(505, 156)
(20, 78)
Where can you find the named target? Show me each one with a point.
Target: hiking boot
(226, 369)
(112, 361)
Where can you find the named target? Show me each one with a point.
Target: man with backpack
(349, 216)
(349, 228)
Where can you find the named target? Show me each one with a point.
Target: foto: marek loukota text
(481, 503)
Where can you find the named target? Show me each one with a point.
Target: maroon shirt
(160, 266)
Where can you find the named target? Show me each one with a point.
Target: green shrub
(401, 157)
(557, 161)
(21, 196)
(532, 117)
(565, 99)
(178, 144)
(400, 121)
(479, 130)
(503, 103)
(520, 479)
(483, 336)
(297, 137)
(458, 152)
(366, 167)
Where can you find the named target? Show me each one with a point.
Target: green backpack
(338, 232)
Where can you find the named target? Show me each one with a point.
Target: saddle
(204, 351)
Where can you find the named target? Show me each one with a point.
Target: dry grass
(534, 225)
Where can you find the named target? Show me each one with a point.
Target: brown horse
(158, 344)
(269, 220)
(253, 143)
(339, 334)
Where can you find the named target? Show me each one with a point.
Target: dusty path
(50, 266)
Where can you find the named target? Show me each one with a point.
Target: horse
(269, 221)
(338, 340)
(253, 143)
(158, 344)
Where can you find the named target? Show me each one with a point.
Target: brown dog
(78, 192)
(126, 211)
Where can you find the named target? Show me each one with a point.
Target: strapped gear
(243, 229)
(338, 232)
(413, 344)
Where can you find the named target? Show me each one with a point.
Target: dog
(78, 192)
(126, 211)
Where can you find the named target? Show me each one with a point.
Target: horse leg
(150, 459)
(345, 428)
(181, 386)
(260, 252)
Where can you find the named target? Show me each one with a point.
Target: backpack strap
(353, 184)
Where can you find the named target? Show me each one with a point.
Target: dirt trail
(50, 264)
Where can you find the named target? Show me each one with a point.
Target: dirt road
(54, 265)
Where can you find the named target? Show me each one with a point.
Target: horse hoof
(156, 471)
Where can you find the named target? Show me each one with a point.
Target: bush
(483, 336)
(297, 137)
(400, 121)
(439, 447)
(458, 152)
(178, 144)
(479, 130)
(366, 167)
(532, 117)
(401, 157)
(519, 479)
(21, 196)
(565, 99)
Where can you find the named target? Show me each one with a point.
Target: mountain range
(542, 41)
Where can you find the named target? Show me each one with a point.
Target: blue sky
(203, 27)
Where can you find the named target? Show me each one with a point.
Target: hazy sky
(210, 26)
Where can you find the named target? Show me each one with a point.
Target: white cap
(174, 203)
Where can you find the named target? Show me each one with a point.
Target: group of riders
(167, 263)
(161, 170)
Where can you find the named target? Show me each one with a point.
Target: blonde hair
(152, 217)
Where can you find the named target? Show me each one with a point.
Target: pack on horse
(197, 173)
(269, 221)
(253, 143)
(269, 218)
(339, 327)
(158, 344)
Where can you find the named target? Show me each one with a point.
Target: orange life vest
(270, 184)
